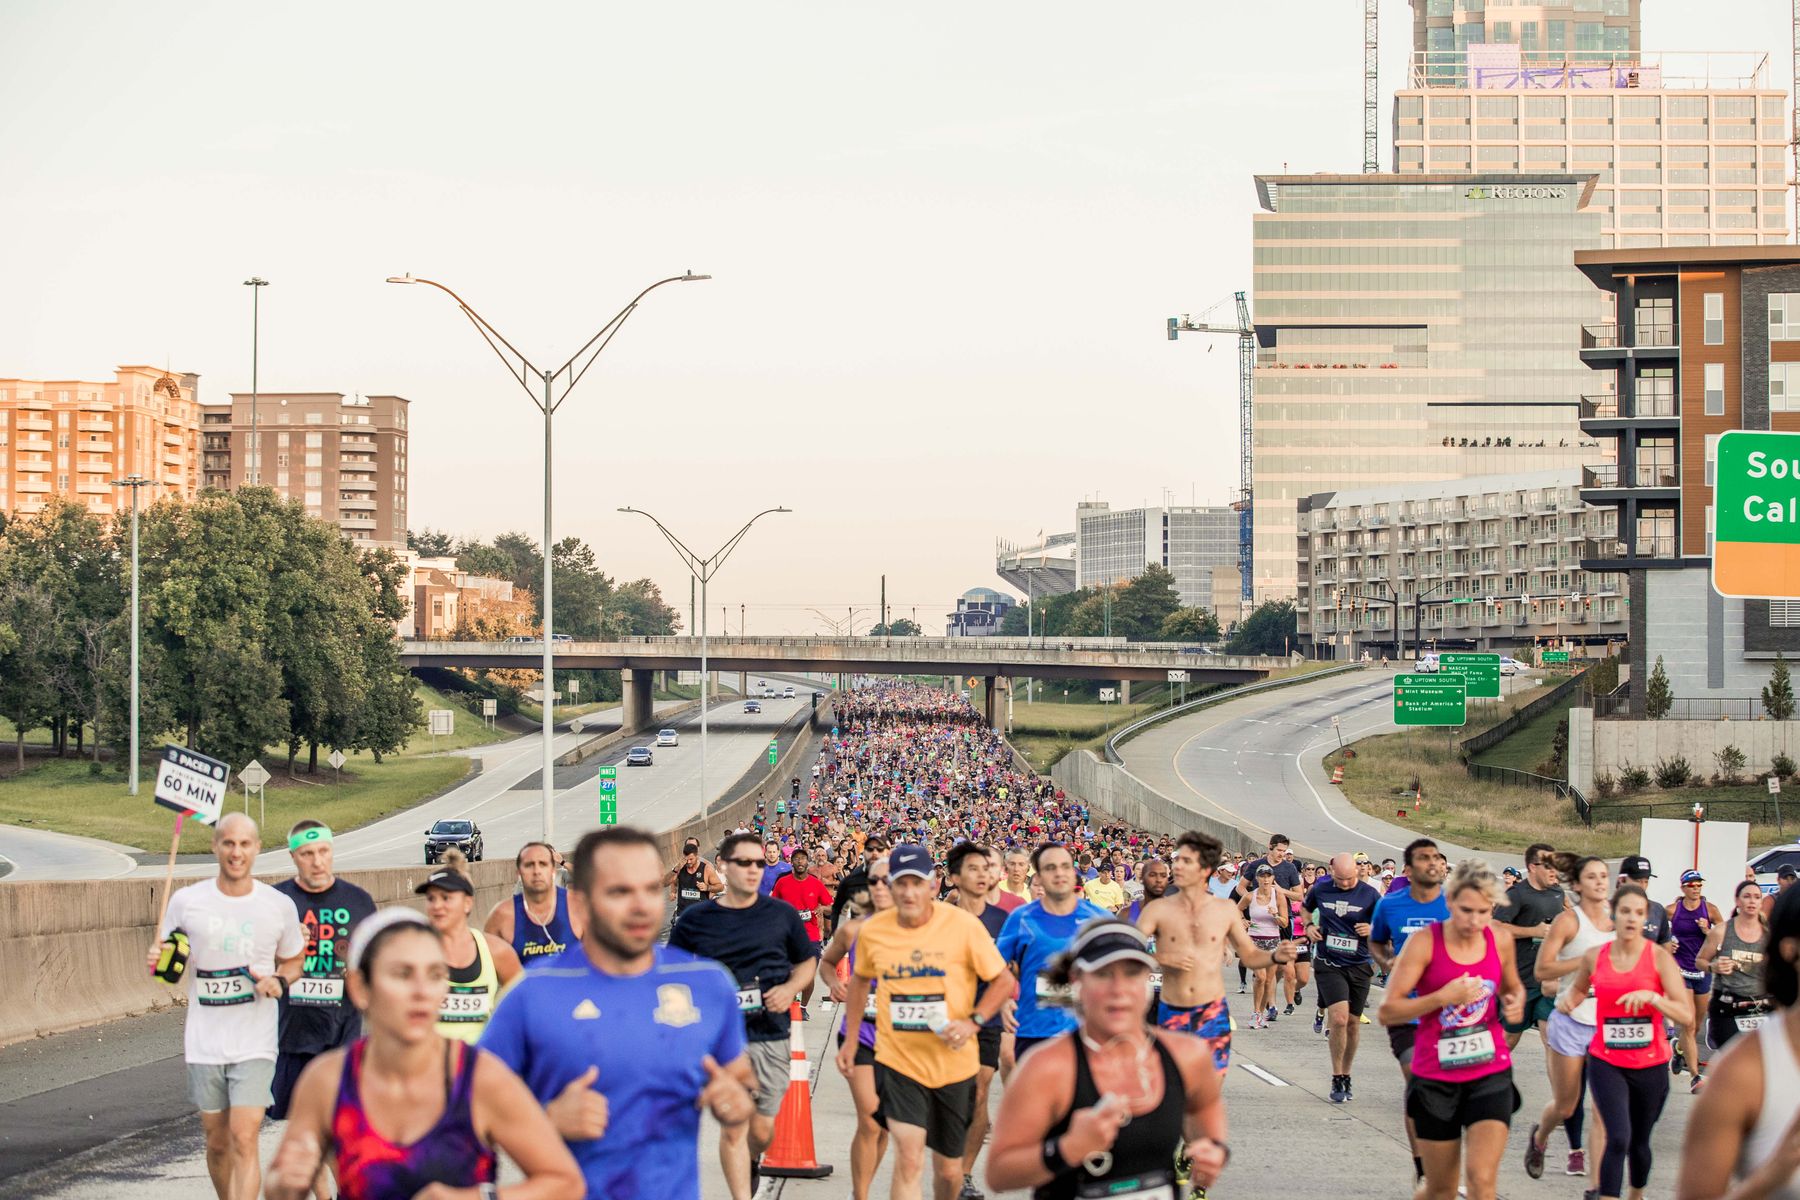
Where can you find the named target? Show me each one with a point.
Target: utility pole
(884, 619)
(134, 481)
(253, 468)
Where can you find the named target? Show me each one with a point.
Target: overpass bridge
(995, 660)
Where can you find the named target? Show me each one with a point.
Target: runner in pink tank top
(1461, 1041)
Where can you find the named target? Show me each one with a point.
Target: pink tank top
(1463, 1041)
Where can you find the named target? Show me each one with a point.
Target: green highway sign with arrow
(1439, 699)
(1480, 671)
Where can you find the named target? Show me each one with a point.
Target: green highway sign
(774, 751)
(1756, 499)
(1440, 699)
(609, 795)
(1480, 671)
(1554, 656)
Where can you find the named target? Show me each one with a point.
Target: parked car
(1770, 861)
(464, 835)
(1427, 664)
(787, 693)
(752, 706)
(639, 756)
(667, 737)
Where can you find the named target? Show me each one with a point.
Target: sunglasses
(743, 862)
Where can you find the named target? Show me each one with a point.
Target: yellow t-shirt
(920, 975)
(1106, 895)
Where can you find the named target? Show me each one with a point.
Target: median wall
(1113, 790)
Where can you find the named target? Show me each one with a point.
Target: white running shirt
(229, 939)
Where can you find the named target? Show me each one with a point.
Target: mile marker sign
(190, 782)
(1756, 497)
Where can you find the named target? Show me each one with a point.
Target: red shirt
(1006, 901)
(808, 895)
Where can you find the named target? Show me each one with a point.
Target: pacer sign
(1756, 515)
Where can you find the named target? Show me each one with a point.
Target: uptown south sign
(1756, 539)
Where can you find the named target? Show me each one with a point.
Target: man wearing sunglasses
(763, 943)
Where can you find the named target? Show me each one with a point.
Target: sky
(944, 240)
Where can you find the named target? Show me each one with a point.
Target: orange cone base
(791, 1155)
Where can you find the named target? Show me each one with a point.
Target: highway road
(1254, 763)
(502, 797)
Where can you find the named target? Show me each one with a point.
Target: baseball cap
(908, 859)
(450, 881)
(1787, 873)
(1512, 872)
(1106, 940)
(1636, 866)
(1688, 877)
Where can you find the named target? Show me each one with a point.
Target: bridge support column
(743, 683)
(1124, 691)
(999, 691)
(636, 709)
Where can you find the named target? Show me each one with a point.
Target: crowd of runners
(959, 919)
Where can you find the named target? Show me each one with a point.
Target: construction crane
(1371, 90)
(1246, 336)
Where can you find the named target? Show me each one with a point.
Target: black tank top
(687, 888)
(1143, 1157)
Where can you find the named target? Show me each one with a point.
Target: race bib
(806, 914)
(232, 985)
(1342, 943)
(1625, 1033)
(465, 1002)
(869, 1008)
(690, 893)
(1696, 976)
(1053, 993)
(749, 1000)
(326, 992)
(1155, 1186)
(1755, 1021)
(1471, 1049)
(917, 1013)
(1156, 981)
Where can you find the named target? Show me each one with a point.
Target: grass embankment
(1530, 746)
(65, 796)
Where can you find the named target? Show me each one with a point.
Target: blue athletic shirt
(647, 1034)
(538, 944)
(1030, 938)
(1398, 916)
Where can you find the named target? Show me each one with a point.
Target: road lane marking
(1266, 1077)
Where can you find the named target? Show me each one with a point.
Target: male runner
(1156, 884)
(923, 959)
(1190, 930)
(1033, 935)
(622, 1040)
(244, 949)
(1340, 910)
(692, 879)
(970, 867)
(1658, 930)
(1398, 916)
(316, 1015)
(536, 919)
(997, 895)
(1531, 906)
(774, 868)
(1018, 876)
(1103, 889)
(812, 900)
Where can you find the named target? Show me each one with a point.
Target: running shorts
(1698, 982)
(1441, 1111)
(772, 1063)
(865, 1055)
(987, 1040)
(1400, 1043)
(1340, 985)
(1303, 951)
(1567, 1036)
(943, 1113)
(287, 1073)
(1211, 1023)
(1538, 1007)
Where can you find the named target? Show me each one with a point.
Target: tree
(1190, 625)
(898, 627)
(1778, 693)
(1270, 629)
(1016, 621)
(28, 695)
(430, 543)
(637, 609)
(1657, 697)
(1140, 607)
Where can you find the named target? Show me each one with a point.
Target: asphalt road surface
(1254, 763)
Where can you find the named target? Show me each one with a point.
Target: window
(1712, 457)
(1655, 393)
(315, 418)
(1784, 614)
(1709, 529)
(1656, 462)
(1780, 304)
(1714, 325)
(1784, 395)
(1715, 389)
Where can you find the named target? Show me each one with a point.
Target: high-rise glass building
(1592, 31)
(1198, 545)
(1413, 328)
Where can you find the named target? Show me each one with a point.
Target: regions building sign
(1756, 497)
(1518, 191)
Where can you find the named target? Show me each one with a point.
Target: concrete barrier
(1123, 796)
(74, 952)
(1618, 744)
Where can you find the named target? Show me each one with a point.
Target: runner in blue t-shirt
(1339, 910)
(590, 1022)
(1398, 917)
(1034, 934)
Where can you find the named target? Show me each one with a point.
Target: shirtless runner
(1189, 931)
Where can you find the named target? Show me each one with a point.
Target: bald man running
(1339, 912)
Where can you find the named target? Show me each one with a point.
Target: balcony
(100, 447)
(356, 483)
(1598, 408)
(356, 521)
(38, 403)
(94, 425)
(1600, 477)
(40, 424)
(95, 465)
(171, 437)
(32, 485)
(41, 445)
(93, 487)
(1601, 337)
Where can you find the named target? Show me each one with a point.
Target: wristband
(1053, 1159)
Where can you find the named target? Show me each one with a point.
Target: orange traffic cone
(1337, 774)
(791, 1154)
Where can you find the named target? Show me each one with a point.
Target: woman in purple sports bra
(404, 1113)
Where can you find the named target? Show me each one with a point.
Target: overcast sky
(945, 239)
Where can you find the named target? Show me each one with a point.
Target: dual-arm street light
(253, 468)
(567, 375)
(703, 569)
(134, 481)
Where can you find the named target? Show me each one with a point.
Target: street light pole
(254, 472)
(526, 374)
(703, 569)
(134, 481)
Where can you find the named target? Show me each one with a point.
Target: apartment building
(344, 458)
(70, 438)
(1702, 343)
(1198, 545)
(444, 598)
(1486, 563)
(1411, 329)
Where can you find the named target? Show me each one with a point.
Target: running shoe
(970, 1191)
(1677, 1060)
(1270, 1015)
(1348, 1095)
(1694, 1087)
(1577, 1163)
(1319, 1021)
(1288, 1011)
(1364, 1018)
(1340, 1089)
(1240, 989)
(1534, 1154)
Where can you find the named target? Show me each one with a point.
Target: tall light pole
(703, 569)
(528, 376)
(134, 481)
(256, 284)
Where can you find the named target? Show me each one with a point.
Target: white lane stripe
(1266, 1077)
(1300, 765)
